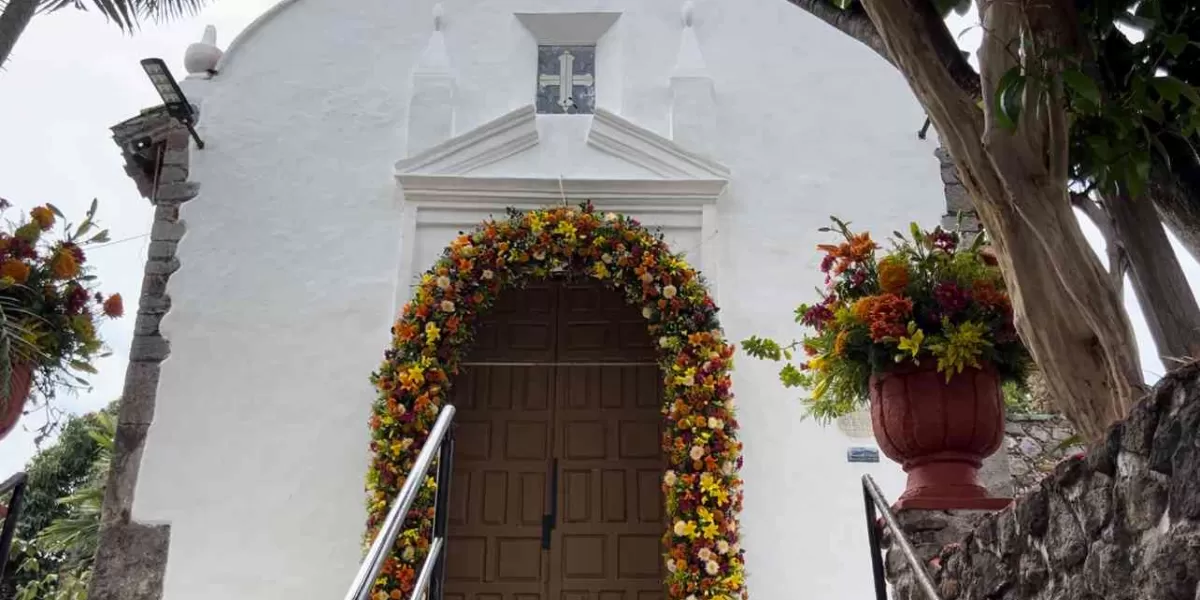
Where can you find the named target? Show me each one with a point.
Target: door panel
(606, 544)
(504, 439)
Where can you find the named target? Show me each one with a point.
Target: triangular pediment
(508, 146)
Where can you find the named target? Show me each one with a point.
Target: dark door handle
(551, 518)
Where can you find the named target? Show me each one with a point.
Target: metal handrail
(873, 498)
(438, 443)
(15, 484)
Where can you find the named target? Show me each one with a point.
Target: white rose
(610, 216)
(680, 527)
(669, 478)
(447, 306)
(664, 341)
(487, 274)
(715, 423)
(409, 553)
(697, 453)
(723, 547)
(443, 282)
(607, 258)
(669, 292)
(712, 567)
(704, 554)
(671, 565)
(647, 312)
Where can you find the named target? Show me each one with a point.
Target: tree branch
(1118, 263)
(855, 23)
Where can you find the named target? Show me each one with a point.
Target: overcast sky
(71, 77)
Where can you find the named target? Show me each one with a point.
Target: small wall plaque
(862, 455)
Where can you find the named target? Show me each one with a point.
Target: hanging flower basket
(924, 334)
(49, 308)
(12, 403)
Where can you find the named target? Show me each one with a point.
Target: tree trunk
(1066, 311)
(14, 18)
(1158, 280)
(1176, 193)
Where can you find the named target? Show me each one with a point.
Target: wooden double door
(557, 470)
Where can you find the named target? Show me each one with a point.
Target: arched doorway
(436, 335)
(556, 489)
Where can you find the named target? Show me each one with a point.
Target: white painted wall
(290, 266)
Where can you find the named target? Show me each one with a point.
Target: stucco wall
(1121, 523)
(289, 278)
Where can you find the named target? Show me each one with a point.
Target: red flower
(951, 298)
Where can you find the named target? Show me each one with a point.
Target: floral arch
(702, 488)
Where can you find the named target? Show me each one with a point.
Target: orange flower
(16, 270)
(893, 275)
(43, 216)
(857, 249)
(888, 316)
(63, 265)
(114, 306)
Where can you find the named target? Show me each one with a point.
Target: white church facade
(348, 146)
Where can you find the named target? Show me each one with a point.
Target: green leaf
(54, 209)
(80, 365)
(99, 238)
(1082, 85)
(843, 4)
(1008, 98)
(1172, 88)
(1176, 43)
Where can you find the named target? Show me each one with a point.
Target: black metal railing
(873, 499)
(14, 488)
(433, 572)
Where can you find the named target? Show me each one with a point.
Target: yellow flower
(43, 216)
(566, 230)
(599, 271)
(912, 343)
(432, 333)
(710, 531)
(685, 529)
(893, 275)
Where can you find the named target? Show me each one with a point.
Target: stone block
(149, 347)
(140, 393)
(167, 231)
(131, 562)
(154, 305)
(162, 249)
(177, 192)
(147, 323)
(162, 267)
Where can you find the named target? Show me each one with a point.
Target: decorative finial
(202, 57)
(438, 16)
(688, 8)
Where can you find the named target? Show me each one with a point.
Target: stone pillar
(131, 559)
(958, 201)
(693, 102)
(929, 531)
(431, 104)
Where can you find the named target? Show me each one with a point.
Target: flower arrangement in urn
(924, 331)
(49, 308)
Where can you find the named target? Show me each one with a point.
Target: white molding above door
(439, 193)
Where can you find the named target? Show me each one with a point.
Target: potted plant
(924, 334)
(49, 309)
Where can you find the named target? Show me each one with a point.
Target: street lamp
(168, 89)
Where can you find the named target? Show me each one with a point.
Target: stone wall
(1122, 522)
(1033, 445)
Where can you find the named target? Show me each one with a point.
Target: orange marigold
(888, 316)
(16, 270)
(893, 275)
(64, 265)
(114, 306)
(43, 216)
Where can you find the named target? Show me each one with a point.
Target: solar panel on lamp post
(172, 96)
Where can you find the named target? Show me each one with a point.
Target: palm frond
(166, 10)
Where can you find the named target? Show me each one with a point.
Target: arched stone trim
(702, 488)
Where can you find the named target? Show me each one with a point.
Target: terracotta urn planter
(12, 404)
(940, 432)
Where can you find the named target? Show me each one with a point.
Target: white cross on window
(566, 79)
